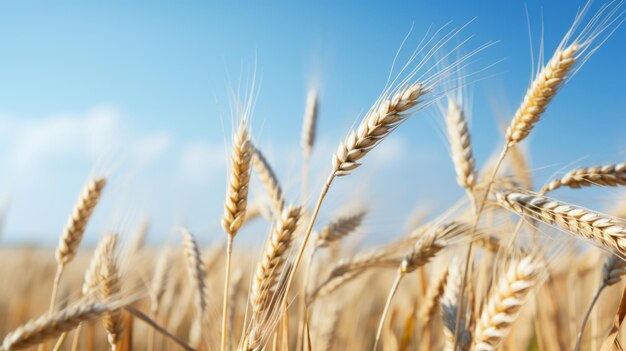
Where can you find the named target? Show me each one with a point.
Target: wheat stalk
(608, 175)
(235, 204)
(601, 229)
(505, 301)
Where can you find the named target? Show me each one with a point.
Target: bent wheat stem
(381, 323)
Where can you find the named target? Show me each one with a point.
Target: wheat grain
(608, 175)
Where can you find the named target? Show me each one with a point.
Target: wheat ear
(75, 229)
(383, 118)
(566, 60)
(606, 231)
(238, 180)
(274, 257)
(269, 179)
(159, 279)
(90, 281)
(541, 92)
(235, 204)
(608, 175)
(460, 145)
(196, 273)
(613, 270)
(450, 309)
(109, 288)
(263, 323)
(53, 325)
(431, 300)
(309, 123)
(505, 301)
(339, 228)
(307, 140)
(422, 252)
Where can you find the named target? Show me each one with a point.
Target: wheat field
(509, 266)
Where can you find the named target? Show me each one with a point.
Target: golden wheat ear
(53, 325)
(603, 230)
(607, 175)
(195, 272)
(75, 228)
(460, 145)
(269, 179)
(505, 301)
(110, 287)
(575, 48)
(238, 181)
(274, 257)
(309, 125)
(339, 228)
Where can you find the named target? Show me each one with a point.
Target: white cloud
(148, 148)
(201, 162)
(96, 135)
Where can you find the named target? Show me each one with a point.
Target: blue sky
(142, 92)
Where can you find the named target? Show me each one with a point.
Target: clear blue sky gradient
(168, 67)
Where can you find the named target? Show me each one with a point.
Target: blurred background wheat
(312, 176)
